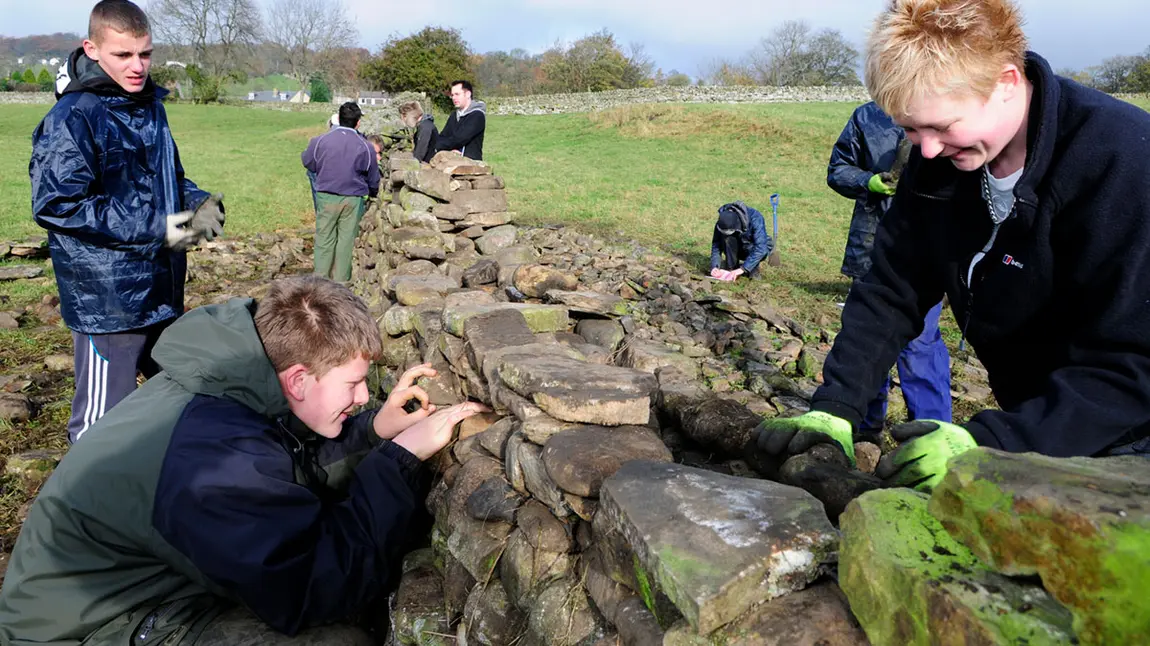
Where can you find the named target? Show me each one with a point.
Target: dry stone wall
(609, 498)
(595, 101)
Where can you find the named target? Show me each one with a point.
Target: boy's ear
(293, 380)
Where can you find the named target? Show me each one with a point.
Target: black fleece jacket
(1059, 309)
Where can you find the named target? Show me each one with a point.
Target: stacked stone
(560, 517)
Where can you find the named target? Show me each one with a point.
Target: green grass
(258, 83)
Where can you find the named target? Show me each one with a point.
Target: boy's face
(411, 119)
(330, 399)
(966, 129)
(124, 57)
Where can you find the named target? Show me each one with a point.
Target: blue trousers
(924, 372)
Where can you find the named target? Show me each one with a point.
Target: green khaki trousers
(336, 225)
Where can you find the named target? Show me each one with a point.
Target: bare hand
(392, 419)
(428, 437)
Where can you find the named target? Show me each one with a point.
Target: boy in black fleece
(1026, 202)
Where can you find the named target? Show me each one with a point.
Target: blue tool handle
(775, 213)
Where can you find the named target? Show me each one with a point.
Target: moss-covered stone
(540, 318)
(909, 582)
(1081, 524)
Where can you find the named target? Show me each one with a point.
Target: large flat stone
(816, 616)
(1082, 524)
(540, 318)
(715, 545)
(909, 582)
(484, 201)
(589, 302)
(478, 545)
(577, 391)
(515, 255)
(719, 424)
(429, 181)
(579, 460)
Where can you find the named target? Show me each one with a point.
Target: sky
(678, 34)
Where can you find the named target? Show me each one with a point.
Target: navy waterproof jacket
(105, 175)
(1058, 309)
(867, 146)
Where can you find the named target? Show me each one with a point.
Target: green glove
(927, 445)
(794, 435)
(876, 185)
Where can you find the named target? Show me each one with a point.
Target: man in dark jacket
(236, 483)
(346, 171)
(859, 168)
(463, 131)
(108, 186)
(1026, 202)
(739, 243)
(426, 135)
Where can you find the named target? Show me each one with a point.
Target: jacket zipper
(153, 618)
(978, 257)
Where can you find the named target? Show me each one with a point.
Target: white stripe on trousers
(97, 387)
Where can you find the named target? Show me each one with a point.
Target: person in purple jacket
(346, 173)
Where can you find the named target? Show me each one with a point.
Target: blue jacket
(1057, 310)
(867, 146)
(754, 242)
(105, 175)
(200, 491)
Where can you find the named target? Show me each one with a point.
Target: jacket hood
(474, 106)
(733, 218)
(82, 74)
(215, 350)
(427, 117)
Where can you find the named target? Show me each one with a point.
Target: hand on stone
(392, 419)
(720, 274)
(428, 437)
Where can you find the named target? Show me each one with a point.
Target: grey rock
(579, 460)
(715, 545)
(493, 240)
(494, 500)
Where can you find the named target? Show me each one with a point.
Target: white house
(373, 98)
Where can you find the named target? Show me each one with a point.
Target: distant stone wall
(27, 97)
(594, 101)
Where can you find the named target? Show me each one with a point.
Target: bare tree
(302, 29)
(795, 55)
(216, 35)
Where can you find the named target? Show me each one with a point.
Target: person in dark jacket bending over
(347, 173)
(108, 186)
(859, 168)
(463, 131)
(426, 134)
(236, 495)
(739, 243)
(1026, 202)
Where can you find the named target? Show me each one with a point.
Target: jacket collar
(82, 74)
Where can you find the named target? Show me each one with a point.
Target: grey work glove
(188, 228)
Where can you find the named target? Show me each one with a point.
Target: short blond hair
(936, 47)
(315, 322)
(409, 108)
